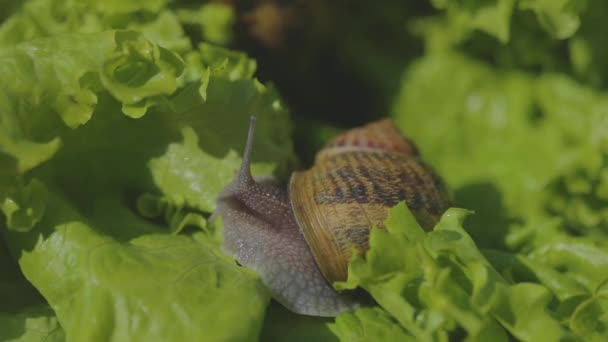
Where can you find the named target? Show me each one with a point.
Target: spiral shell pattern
(356, 178)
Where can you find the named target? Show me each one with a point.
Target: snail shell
(300, 240)
(353, 183)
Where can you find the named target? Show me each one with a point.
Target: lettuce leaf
(368, 324)
(444, 287)
(24, 314)
(532, 35)
(493, 17)
(16, 293)
(77, 216)
(43, 18)
(560, 19)
(480, 115)
(155, 19)
(154, 286)
(534, 149)
(32, 324)
(214, 20)
(532, 145)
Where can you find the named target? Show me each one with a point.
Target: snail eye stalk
(245, 171)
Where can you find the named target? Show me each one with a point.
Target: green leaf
(534, 174)
(560, 18)
(180, 172)
(492, 17)
(558, 152)
(150, 287)
(73, 223)
(526, 314)
(24, 315)
(35, 324)
(447, 286)
(481, 112)
(368, 324)
(590, 319)
(16, 293)
(23, 205)
(43, 18)
(60, 76)
(215, 21)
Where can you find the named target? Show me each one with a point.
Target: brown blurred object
(269, 22)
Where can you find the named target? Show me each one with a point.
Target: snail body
(300, 240)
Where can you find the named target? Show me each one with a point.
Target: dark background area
(333, 69)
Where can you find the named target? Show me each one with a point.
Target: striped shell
(356, 178)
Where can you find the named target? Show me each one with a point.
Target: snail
(300, 239)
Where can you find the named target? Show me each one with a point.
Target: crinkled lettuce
(24, 313)
(155, 286)
(532, 35)
(155, 19)
(526, 154)
(434, 286)
(31, 325)
(513, 147)
(99, 129)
